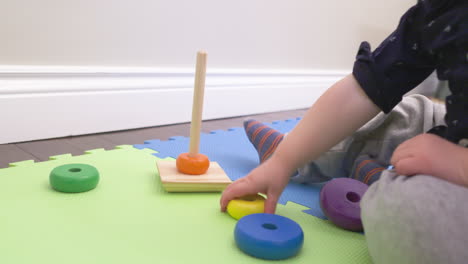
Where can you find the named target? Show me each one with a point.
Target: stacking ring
(340, 202)
(268, 236)
(252, 204)
(74, 178)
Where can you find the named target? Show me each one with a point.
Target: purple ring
(340, 202)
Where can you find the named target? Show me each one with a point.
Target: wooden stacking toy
(193, 171)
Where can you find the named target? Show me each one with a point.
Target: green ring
(74, 178)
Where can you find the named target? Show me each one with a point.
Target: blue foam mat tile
(307, 195)
(237, 156)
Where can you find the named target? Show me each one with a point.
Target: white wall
(166, 33)
(87, 66)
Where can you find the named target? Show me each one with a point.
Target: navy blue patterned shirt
(432, 35)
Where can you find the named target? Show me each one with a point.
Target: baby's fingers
(237, 189)
(270, 203)
(411, 166)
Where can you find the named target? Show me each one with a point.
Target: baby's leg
(418, 219)
(266, 139)
(365, 154)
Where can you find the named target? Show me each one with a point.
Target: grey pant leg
(414, 115)
(418, 219)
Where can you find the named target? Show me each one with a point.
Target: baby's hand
(269, 178)
(432, 155)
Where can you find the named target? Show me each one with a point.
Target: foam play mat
(129, 218)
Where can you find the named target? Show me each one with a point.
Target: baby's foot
(265, 139)
(367, 170)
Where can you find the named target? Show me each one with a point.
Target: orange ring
(193, 165)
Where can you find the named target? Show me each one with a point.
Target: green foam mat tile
(129, 218)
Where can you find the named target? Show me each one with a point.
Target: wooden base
(214, 180)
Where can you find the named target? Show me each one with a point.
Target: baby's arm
(429, 154)
(340, 111)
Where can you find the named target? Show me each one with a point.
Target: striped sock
(265, 139)
(367, 170)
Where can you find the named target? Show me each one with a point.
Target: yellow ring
(252, 204)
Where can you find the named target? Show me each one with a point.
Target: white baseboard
(48, 102)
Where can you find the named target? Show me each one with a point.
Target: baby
(417, 212)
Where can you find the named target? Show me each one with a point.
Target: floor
(41, 150)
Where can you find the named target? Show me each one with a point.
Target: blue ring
(268, 236)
